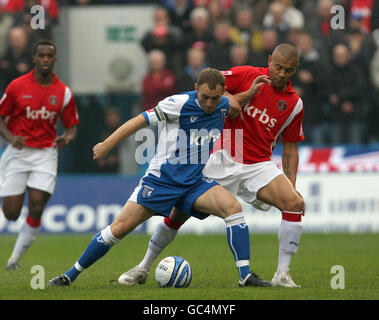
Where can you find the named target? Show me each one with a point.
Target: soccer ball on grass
(173, 272)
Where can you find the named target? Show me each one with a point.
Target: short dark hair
(212, 77)
(43, 42)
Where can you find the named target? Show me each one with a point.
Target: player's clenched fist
(18, 142)
(100, 150)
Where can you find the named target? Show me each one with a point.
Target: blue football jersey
(186, 137)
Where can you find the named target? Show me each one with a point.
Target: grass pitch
(214, 272)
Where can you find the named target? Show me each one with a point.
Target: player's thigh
(281, 194)
(12, 192)
(131, 215)
(217, 201)
(178, 216)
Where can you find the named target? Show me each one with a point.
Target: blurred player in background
(174, 178)
(271, 109)
(29, 110)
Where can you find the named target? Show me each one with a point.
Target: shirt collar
(33, 79)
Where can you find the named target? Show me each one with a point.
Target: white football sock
(289, 238)
(25, 238)
(161, 238)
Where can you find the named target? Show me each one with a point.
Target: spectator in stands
(310, 83)
(217, 12)
(218, 53)
(293, 17)
(362, 48)
(51, 7)
(270, 39)
(25, 17)
(374, 70)
(367, 11)
(17, 59)
(165, 39)
(275, 19)
(374, 114)
(245, 32)
(161, 17)
(239, 56)
(200, 28)
(195, 63)
(12, 6)
(6, 23)
(324, 37)
(345, 88)
(111, 162)
(258, 7)
(179, 11)
(159, 82)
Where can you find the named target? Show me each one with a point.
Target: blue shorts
(161, 198)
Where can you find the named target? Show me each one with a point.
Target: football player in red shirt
(29, 110)
(271, 109)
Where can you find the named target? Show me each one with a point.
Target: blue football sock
(239, 243)
(95, 250)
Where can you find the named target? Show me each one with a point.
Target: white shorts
(242, 180)
(28, 167)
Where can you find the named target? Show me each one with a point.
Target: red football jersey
(33, 110)
(271, 114)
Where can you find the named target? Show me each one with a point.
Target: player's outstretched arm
(126, 130)
(235, 107)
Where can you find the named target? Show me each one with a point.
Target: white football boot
(12, 265)
(283, 280)
(133, 276)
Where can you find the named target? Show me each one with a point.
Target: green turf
(214, 273)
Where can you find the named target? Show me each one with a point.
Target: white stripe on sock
(292, 212)
(78, 266)
(108, 237)
(242, 263)
(234, 219)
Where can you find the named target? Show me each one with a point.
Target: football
(173, 272)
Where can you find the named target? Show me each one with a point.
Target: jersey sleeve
(69, 113)
(294, 131)
(235, 76)
(167, 110)
(8, 101)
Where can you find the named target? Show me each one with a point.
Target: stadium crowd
(338, 75)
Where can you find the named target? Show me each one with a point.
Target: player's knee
(11, 214)
(295, 204)
(232, 208)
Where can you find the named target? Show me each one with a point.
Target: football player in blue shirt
(192, 121)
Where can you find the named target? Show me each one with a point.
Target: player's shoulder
(179, 98)
(58, 82)
(175, 101)
(21, 81)
(224, 101)
(244, 70)
(297, 101)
